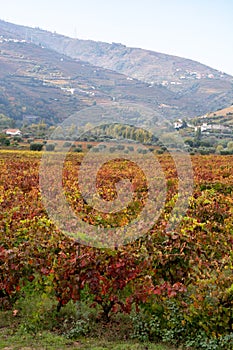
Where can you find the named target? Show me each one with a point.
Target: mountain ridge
(171, 85)
(54, 86)
(36, 33)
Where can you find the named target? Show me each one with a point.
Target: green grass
(13, 336)
(44, 340)
(51, 341)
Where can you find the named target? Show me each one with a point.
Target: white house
(203, 127)
(13, 132)
(178, 124)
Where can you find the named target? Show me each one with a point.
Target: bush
(36, 146)
(204, 151)
(78, 149)
(6, 142)
(102, 146)
(17, 138)
(30, 140)
(50, 147)
(79, 328)
(95, 149)
(146, 328)
(120, 147)
(142, 151)
(189, 142)
(76, 319)
(160, 151)
(67, 144)
(226, 152)
(170, 324)
(37, 311)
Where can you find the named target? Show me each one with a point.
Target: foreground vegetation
(165, 287)
(13, 335)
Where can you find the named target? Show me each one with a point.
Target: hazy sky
(201, 30)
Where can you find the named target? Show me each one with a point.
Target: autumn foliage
(191, 266)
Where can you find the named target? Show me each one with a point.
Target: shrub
(17, 138)
(226, 152)
(120, 147)
(102, 146)
(6, 142)
(36, 308)
(78, 149)
(50, 147)
(79, 328)
(36, 146)
(67, 144)
(142, 151)
(95, 149)
(204, 151)
(160, 151)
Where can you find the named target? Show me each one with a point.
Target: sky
(201, 30)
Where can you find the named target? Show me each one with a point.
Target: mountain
(101, 72)
(36, 82)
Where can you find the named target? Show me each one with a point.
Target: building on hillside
(178, 124)
(203, 127)
(13, 132)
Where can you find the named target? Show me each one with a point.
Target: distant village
(204, 126)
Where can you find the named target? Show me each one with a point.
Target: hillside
(38, 82)
(172, 86)
(222, 117)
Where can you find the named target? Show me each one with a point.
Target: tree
(4, 141)
(230, 146)
(219, 149)
(198, 134)
(36, 146)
